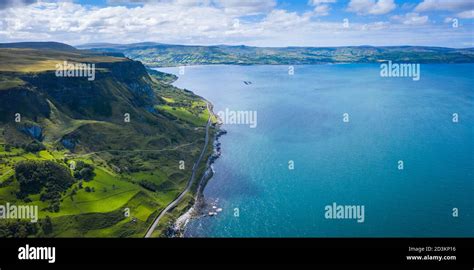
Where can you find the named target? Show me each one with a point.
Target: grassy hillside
(162, 55)
(79, 126)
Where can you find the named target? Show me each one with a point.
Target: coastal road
(190, 182)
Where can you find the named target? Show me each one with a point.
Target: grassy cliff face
(121, 136)
(160, 55)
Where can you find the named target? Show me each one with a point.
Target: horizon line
(232, 45)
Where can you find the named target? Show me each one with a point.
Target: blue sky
(252, 22)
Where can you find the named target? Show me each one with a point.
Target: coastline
(180, 214)
(196, 210)
(167, 229)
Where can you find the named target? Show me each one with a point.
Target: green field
(185, 115)
(128, 170)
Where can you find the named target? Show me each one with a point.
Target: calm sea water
(300, 118)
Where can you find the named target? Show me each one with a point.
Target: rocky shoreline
(198, 209)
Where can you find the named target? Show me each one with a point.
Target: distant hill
(39, 46)
(112, 45)
(161, 55)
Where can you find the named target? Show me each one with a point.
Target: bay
(300, 120)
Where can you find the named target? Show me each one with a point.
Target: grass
(188, 200)
(168, 100)
(7, 194)
(170, 217)
(5, 173)
(156, 176)
(59, 124)
(110, 194)
(124, 228)
(7, 82)
(80, 225)
(32, 60)
(149, 148)
(110, 191)
(185, 115)
(113, 192)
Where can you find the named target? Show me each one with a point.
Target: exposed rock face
(68, 143)
(23, 101)
(120, 87)
(35, 131)
(85, 99)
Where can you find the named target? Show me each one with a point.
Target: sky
(273, 23)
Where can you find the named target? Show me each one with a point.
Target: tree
(47, 225)
(54, 207)
(46, 177)
(73, 193)
(33, 176)
(87, 173)
(148, 185)
(22, 231)
(84, 171)
(17, 229)
(34, 147)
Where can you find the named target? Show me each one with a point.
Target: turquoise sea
(300, 118)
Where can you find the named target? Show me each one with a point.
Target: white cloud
(468, 14)
(247, 7)
(454, 5)
(448, 20)
(321, 7)
(376, 26)
(175, 2)
(372, 7)
(411, 18)
(321, 10)
(167, 22)
(279, 20)
(319, 2)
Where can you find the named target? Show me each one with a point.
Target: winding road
(190, 182)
